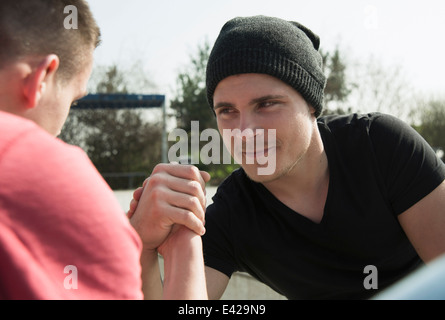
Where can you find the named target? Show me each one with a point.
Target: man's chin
(260, 174)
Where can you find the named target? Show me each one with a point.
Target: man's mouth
(259, 153)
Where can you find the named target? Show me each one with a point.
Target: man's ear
(37, 80)
(311, 109)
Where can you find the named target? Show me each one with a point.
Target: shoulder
(48, 171)
(342, 122)
(12, 128)
(42, 173)
(373, 123)
(19, 136)
(29, 152)
(380, 131)
(51, 190)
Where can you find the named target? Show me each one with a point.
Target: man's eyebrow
(222, 104)
(252, 102)
(266, 98)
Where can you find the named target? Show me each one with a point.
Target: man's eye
(223, 111)
(266, 104)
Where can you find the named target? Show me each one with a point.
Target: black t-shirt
(379, 167)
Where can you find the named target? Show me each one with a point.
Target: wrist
(148, 254)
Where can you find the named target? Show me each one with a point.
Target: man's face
(54, 107)
(259, 101)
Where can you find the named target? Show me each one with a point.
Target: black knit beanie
(283, 49)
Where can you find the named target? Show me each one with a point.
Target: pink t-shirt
(63, 234)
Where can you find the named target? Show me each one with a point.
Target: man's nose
(248, 126)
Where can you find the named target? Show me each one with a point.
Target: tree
(190, 103)
(432, 123)
(377, 87)
(117, 141)
(365, 86)
(337, 87)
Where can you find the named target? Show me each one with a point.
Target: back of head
(36, 28)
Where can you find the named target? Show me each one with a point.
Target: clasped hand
(173, 196)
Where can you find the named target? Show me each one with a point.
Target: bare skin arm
(424, 224)
(184, 277)
(173, 195)
(216, 283)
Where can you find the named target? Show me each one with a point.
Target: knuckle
(195, 172)
(191, 171)
(194, 203)
(188, 217)
(161, 167)
(156, 180)
(195, 187)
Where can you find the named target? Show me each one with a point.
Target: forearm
(151, 276)
(184, 277)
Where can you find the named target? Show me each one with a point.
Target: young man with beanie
(63, 234)
(349, 194)
(348, 191)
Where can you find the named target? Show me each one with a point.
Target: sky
(163, 34)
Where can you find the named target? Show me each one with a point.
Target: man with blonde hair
(62, 232)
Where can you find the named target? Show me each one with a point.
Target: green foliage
(432, 123)
(190, 103)
(337, 87)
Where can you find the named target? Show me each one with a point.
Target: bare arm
(216, 283)
(173, 195)
(151, 275)
(184, 277)
(424, 224)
